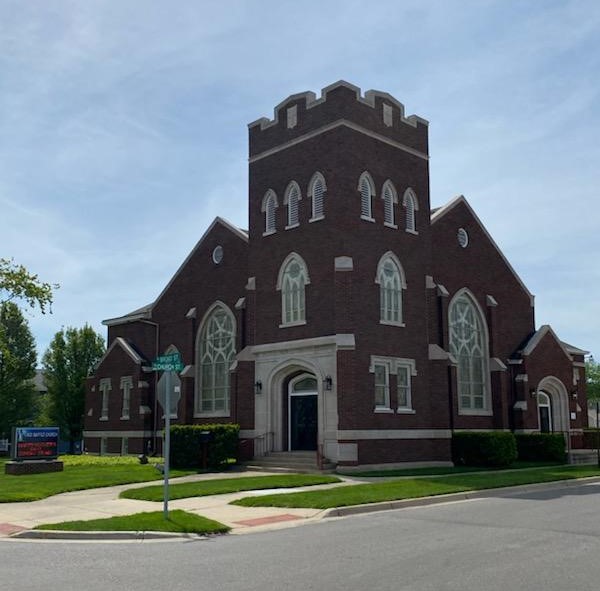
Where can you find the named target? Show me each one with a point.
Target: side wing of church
(351, 319)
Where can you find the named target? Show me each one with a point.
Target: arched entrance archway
(553, 410)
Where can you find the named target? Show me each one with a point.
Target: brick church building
(351, 318)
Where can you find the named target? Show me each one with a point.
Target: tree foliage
(592, 376)
(17, 369)
(69, 360)
(17, 283)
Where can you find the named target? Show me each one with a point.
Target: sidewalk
(100, 503)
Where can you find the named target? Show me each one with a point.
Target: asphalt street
(544, 540)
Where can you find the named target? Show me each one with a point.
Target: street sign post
(167, 363)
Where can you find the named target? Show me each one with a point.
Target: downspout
(155, 411)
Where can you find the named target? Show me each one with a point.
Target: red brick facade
(389, 379)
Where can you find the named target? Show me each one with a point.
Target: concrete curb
(140, 536)
(452, 497)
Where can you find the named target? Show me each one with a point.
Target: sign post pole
(168, 364)
(167, 449)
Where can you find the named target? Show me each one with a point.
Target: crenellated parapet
(304, 115)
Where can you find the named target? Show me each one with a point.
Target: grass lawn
(179, 521)
(81, 472)
(226, 485)
(416, 487)
(443, 470)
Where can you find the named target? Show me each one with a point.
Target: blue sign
(35, 443)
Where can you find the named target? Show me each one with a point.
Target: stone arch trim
(559, 398)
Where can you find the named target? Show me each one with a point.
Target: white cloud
(123, 130)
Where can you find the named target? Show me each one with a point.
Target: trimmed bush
(541, 447)
(495, 448)
(591, 438)
(186, 445)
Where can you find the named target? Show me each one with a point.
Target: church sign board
(35, 443)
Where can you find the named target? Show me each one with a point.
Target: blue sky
(123, 131)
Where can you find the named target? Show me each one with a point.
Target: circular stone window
(218, 254)
(463, 237)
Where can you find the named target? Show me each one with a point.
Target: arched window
(366, 188)
(544, 412)
(291, 199)
(411, 205)
(390, 197)
(391, 280)
(293, 277)
(316, 192)
(215, 351)
(269, 205)
(469, 345)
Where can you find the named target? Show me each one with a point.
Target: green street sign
(171, 362)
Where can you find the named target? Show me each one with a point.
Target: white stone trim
(114, 433)
(370, 434)
(311, 100)
(339, 123)
(537, 338)
(343, 263)
(520, 405)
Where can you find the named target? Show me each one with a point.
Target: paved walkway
(100, 503)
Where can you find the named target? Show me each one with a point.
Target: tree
(17, 283)
(69, 360)
(17, 368)
(592, 377)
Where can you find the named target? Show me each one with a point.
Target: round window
(463, 237)
(218, 254)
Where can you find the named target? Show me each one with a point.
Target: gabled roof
(129, 350)
(537, 337)
(145, 312)
(140, 314)
(574, 350)
(440, 212)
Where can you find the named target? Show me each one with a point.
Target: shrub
(494, 448)
(541, 447)
(186, 445)
(591, 438)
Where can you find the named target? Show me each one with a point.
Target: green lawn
(443, 470)
(179, 521)
(81, 472)
(416, 487)
(226, 485)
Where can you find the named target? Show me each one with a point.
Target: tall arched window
(544, 412)
(291, 199)
(411, 206)
(366, 188)
(390, 197)
(469, 345)
(390, 277)
(316, 192)
(292, 280)
(269, 205)
(215, 351)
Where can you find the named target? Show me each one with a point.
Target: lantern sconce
(327, 383)
(574, 394)
(533, 393)
(258, 387)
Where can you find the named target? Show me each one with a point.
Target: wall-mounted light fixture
(574, 394)
(258, 387)
(327, 383)
(533, 393)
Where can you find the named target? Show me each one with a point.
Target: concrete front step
(583, 457)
